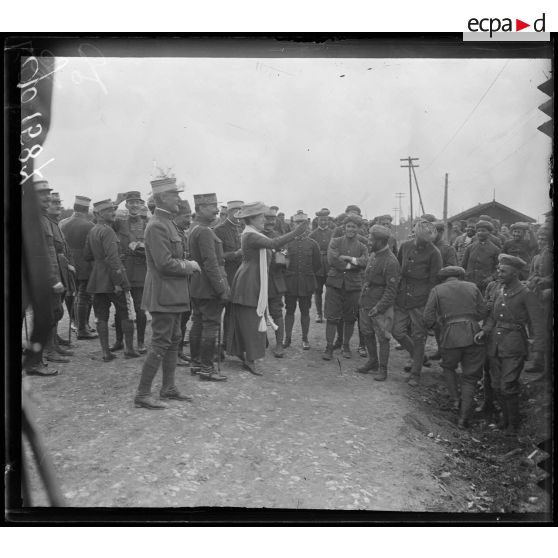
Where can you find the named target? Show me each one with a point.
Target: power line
(410, 165)
(469, 115)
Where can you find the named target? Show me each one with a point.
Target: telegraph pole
(399, 196)
(410, 165)
(446, 233)
(395, 220)
(418, 190)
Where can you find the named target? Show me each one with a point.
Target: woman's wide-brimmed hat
(251, 210)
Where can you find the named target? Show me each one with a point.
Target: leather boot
(381, 375)
(279, 333)
(305, 326)
(512, 405)
(339, 341)
(207, 353)
(371, 365)
(467, 399)
(141, 322)
(347, 334)
(169, 389)
(149, 369)
(331, 328)
(60, 350)
(50, 351)
(118, 344)
(289, 324)
(418, 360)
(451, 383)
(128, 331)
(504, 417)
(81, 318)
(319, 311)
(102, 328)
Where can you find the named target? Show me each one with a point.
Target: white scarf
(261, 309)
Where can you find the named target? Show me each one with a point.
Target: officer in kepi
(512, 307)
(165, 294)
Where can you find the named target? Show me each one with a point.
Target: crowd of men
(483, 289)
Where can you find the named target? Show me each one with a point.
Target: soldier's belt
(510, 326)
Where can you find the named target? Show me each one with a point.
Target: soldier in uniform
(386, 221)
(480, 259)
(209, 289)
(304, 261)
(42, 189)
(510, 310)
(462, 241)
(183, 221)
(65, 265)
(131, 232)
(381, 279)
(165, 294)
(277, 286)
(521, 247)
(322, 235)
(75, 230)
(420, 262)
(228, 232)
(281, 226)
(347, 258)
(458, 306)
(108, 282)
(492, 234)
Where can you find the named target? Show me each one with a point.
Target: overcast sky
(304, 133)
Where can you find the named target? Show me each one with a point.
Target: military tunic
(480, 261)
(524, 249)
(75, 230)
(229, 233)
(304, 261)
(132, 230)
(449, 256)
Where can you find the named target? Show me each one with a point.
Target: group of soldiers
(485, 292)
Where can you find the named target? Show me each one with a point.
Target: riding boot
(128, 331)
(372, 363)
(418, 358)
(331, 328)
(102, 328)
(149, 370)
(50, 352)
(339, 341)
(207, 355)
(348, 329)
(384, 359)
(141, 322)
(289, 324)
(60, 350)
(305, 326)
(279, 334)
(81, 319)
(467, 399)
(118, 344)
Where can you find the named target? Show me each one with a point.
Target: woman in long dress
(247, 336)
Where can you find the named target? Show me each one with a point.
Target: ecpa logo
(503, 25)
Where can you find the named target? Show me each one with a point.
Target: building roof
(486, 207)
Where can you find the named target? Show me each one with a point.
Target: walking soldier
(458, 306)
(165, 295)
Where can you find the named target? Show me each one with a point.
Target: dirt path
(309, 434)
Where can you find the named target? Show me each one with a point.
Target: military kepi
(512, 261)
(41, 186)
(451, 271)
(102, 205)
(166, 184)
(83, 201)
(205, 199)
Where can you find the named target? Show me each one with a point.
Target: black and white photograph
(281, 274)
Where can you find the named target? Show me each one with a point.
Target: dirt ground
(309, 434)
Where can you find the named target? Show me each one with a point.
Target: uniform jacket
(510, 310)
(304, 261)
(392, 243)
(457, 306)
(323, 238)
(101, 247)
(381, 278)
(207, 249)
(229, 233)
(132, 229)
(341, 274)
(419, 273)
(524, 249)
(166, 283)
(75, 230)
(542, 267)
(449, 256)
(63, 257)
(460, 244)
(480, 261)
(51, 249)
(277, 285)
